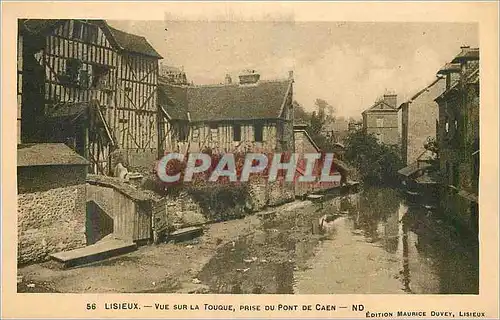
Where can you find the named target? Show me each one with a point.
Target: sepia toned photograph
(240, 159)
(390, 108)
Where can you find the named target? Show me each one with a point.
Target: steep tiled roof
(47, 154)
(416, 95)
(173, 99)
(225, 102)
(467, 54)
(37, 25)
(126, 41)
(472, 77)
(449, 67)
(133, 43)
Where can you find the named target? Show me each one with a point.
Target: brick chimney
(391, 99)
(227, 79)
(249, 77)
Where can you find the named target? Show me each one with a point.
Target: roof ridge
(378, 103)
(416, 95)
(240, 85)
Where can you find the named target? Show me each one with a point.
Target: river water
(373, 242)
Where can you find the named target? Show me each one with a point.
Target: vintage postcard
(250, 159)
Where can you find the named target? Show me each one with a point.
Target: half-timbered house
(90, 86)
(252, 115)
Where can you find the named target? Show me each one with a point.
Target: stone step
(95, 252)
(185, 234)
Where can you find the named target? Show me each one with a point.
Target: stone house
(458, 138)
(51, 200)
(91, 86)
(253, 114)
(419, 119)
(382, 121)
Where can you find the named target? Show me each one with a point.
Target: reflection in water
(409, 250)
(406, 258)
(434, 258)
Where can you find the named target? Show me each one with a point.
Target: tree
(316, 121)
(300, 114)
(377, 163)
(325, 110)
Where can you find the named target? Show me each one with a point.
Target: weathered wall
(257, 193)
(280, 192)
(141, 160)
(182, 210)
(264, 193)
(422, 116)
(389, 130)
(51, 211)
(175, 211)
(221, 139)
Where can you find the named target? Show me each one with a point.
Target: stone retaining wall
(50, 218)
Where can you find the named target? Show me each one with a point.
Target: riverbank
(166, 267)
(370, 242)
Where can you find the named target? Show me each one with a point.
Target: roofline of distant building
(415, 96)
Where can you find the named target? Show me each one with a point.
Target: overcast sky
(349, 64)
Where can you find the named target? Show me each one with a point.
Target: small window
(258, 132)
(237, 132)
(380, 122)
